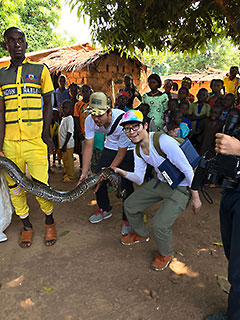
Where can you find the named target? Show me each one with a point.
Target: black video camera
(221, 169)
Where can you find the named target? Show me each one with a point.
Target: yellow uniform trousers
(32, 153)
(68, 162)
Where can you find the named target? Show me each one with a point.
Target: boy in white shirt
(174, 200)
(66, 140)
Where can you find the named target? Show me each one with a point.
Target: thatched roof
(73, 60)
(36, 56)
(206, 75)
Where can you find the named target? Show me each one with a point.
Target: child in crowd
(172, 105)
(79, 119)
(187, 83)
(73, 93)
(211, 86)
(175, 127)
(61, 93)
(167, 86)
(54, 126)
(227, 103)
(66, 141)
(144, 108)
(122, 101)
(217, 88)
(183, 94)
(79, 110)
(184, 108)
(207, 130)
(175, 88)
(131, 89)
(200, 109)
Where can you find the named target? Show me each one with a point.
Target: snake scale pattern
(43, 191)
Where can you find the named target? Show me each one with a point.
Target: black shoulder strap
(115, 124)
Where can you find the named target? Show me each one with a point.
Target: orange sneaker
(160, 262)
(132, 238)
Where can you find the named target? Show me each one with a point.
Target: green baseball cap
(99, 103)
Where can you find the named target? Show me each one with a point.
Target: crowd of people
(105, 133)
(175, 112)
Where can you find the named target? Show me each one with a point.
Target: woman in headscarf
(157, 100)
(131, 89)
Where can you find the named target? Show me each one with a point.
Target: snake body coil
(43, 191)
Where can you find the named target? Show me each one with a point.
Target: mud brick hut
(83, 64)
(101, 70)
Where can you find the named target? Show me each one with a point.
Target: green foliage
(179, 26)
(219, 55)
(37, 18)
(9, 14)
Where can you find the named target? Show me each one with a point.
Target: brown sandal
(25, 240)
(50, 235)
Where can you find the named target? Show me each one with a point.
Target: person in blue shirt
(61, 93)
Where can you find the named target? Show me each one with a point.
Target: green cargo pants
(174, 202)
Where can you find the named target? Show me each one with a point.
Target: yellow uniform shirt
(21, 89)
(231, 86)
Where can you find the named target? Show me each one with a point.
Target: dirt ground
(89, 275)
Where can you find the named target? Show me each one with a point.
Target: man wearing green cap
(117, 152)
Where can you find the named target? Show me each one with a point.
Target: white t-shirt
(117, 139)
(174, 154)
(67, 125)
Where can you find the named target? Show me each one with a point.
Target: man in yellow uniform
(25, 128)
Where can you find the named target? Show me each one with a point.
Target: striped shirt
(21, 89)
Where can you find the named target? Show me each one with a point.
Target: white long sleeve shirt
(174, 154)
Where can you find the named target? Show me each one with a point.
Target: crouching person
(174, 200)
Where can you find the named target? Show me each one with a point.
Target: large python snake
(43, 191)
